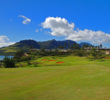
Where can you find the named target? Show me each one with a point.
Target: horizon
(76, 20)
(51, 40)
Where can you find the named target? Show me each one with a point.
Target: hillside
(24, 44)
(27, 44)
(53, 44)
(84, 43)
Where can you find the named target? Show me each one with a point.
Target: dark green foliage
(28, 62)
(26, 45)
(35, 65)
(53, 44)
(79, 53)
(19, 54)
(25, 58)
(42, 52)
(74, 46)
(30, 43)
(100, 45)
(96, 53)
(1, 64)
(84, 44)
(56, 50)
(9, 62)
(61, 47)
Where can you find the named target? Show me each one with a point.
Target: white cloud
(61, 27)
(95, 37)
(4, 41)
(37, 30)
(26, 20)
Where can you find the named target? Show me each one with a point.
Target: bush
(28, 63)
(25, 58)
(9, 62)
(79, 53)
(35, 65)
(96, 54)
(19, 54)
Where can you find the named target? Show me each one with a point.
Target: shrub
(79, 53)
(96, 53)
(9, 62)
(19, 54)
(28, 63)
(35, 65)
(25, 58)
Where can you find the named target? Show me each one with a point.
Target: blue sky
(92, 15)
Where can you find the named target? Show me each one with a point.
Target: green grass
(75, 79)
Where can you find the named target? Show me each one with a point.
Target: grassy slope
(75, 79)
(11, 50)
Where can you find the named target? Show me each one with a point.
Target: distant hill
(53, 44)
(27, 44)
(24, 44)
(84, 43)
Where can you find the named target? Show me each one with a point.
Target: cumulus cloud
(26, 20)
(4, 41)
(61, 27)
(95, 37)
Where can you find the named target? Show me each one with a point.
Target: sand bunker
(60, 62)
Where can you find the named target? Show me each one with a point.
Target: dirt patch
(107, 58)
(60, 62)
(44, 59)
(51, 60)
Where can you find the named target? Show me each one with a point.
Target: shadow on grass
(99, 60)
(62, 55)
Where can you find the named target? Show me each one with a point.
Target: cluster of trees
(69, 46)
(11, 62)
(73, 49)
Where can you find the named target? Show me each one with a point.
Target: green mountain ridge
(27, 44)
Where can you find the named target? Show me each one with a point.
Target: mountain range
(27, 44)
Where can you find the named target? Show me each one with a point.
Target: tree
(74, 46)
(19, 54)
(69, 46)
(61, 47)
(77, 46)
(56, 50)
(95, 53)
(100, 45)
(9, 62)
(42, 52)
(65, 45)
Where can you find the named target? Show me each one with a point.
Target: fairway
(75, 79)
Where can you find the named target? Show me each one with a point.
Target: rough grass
(75, 79)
